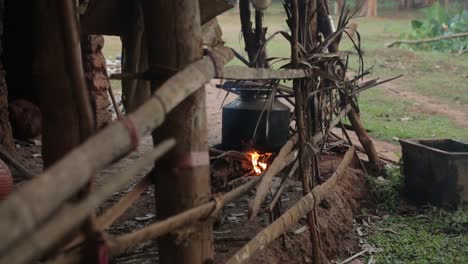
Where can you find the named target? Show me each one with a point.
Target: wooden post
(173, 32)
(58, 72)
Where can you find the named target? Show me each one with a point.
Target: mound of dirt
(335, 214)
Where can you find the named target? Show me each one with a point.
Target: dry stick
(279, 163)
(317, 137)
(72, 216)
(5, 156)
(35, 201)
(108, 218)
(364, 138)
(293, 215)
(114, 102)
(113, 213)
(354, 257)
(398, 42)
(282, 187)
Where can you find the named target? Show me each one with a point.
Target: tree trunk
(182, 179)
(371, 8)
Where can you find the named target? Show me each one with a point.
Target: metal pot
(242, 130)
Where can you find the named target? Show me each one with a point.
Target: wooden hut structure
(171, 49)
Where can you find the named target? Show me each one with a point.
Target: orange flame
(259, 161)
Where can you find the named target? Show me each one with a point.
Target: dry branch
(280, 190)
(428, 40)
(320, 135)
(69, 217)
(35, 201)
(275, 167)
(293, 215)
(110, 215)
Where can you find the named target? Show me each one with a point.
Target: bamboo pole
(234, 73)
(293, 215)
(191, 216)
(72, 216)
(33, 202)
(262, 190)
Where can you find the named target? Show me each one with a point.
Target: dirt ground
(232, 230)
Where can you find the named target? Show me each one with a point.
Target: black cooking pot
(247, 124)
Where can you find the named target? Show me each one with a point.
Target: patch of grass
(428, 235)
(382, 113)
(431, 236)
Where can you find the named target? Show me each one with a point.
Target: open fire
(259, 161)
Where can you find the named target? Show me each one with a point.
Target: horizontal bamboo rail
(118, 245)
(231, 73)
(70, 217)
(28, 207)
(293, 215)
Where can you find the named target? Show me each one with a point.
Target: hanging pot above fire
(253, 121)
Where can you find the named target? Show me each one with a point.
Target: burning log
(262, 190)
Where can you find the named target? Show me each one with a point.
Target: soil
(232, 229)
(430, 105)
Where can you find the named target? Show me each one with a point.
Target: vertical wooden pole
(58, 73)
(64, 98)
(303, 127)
(173, 34)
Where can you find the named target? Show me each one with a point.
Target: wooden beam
(182, 180)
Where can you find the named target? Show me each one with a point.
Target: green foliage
(429, 236)
(439, 21)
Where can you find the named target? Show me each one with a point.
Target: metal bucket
(436, 171)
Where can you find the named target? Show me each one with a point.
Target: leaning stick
(110, 215)
(428, 40)
(293, 215)
(279, 163)
(72, 216)
(35, 201)
(280, 190)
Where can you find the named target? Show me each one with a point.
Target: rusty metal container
(436, 171)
